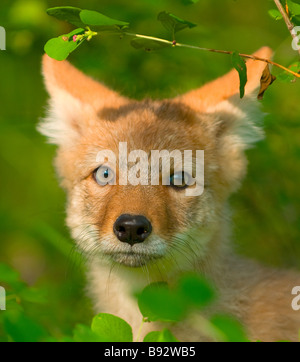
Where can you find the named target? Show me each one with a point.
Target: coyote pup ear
(225, 87)
(235, 122)
(75, 100)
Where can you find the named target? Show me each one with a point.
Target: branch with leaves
(287, 13)
(60, 48)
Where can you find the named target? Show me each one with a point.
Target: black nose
(132, 229)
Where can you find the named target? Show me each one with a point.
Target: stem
(247, 56)
(287, 20)
(159, 40)
(140, 330)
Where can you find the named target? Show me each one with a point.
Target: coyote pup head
(144, 224)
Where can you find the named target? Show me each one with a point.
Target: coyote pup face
(144, 224)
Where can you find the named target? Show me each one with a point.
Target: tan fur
(189, 233)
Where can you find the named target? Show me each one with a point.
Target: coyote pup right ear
(235, 122)
(75, 100)
(227, 86)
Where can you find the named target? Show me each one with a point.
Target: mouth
(133, 259)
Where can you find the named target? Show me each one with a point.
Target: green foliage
(173, 23)
(274, 13)
(101, 21)
(111, 328)
(294, 10)
(240, 65)
(161, 336)
(287, 77)
(196, 291)
(69, 14)
(82, 18)
(18, 326)
(159, 302)
(83, 333)
(60, 48)
(230, 328)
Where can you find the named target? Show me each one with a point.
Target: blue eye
(104, 176)
(180, 180)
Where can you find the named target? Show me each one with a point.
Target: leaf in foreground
(20, 328)
(81, 18)
(94, 18)
(230, 328)
(60, 49)
(111, 328)
(275, 14)
(288, 77)
(67, 13)
(158, 302)
(84, 333)
(160, 336)
(241, 67)
(196, 290)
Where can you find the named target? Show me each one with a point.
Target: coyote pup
(136, 234)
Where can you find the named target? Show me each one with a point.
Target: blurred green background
(34, 239)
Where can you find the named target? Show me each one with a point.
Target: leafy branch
(287, 19)
(59, 48)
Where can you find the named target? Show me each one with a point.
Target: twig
(287, 20)
(247, 56)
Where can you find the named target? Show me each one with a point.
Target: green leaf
(22, 329)
(158, 302)
(94, 18)
(294, 7)
(13, 306)
(8, 275)
(274, 13)
(84, 333)
(161, 336)
(111, 328)
(196, 290)
(33, 295)
(67, 13)
(296, 20)
(232, 330)
(241, 67)
(288, 77)
(172, 23)
(148, 44)
(59, 49)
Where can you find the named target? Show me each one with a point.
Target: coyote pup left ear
(75, 100)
